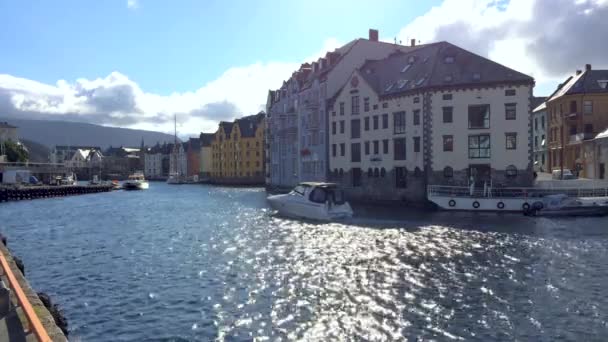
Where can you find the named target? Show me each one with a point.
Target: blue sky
(137, 63)
(177, 46)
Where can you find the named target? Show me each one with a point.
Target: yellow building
(238, 151)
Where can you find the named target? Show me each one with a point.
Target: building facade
(178, 159)
(61, 154)
(156, 160)
(435, 115)
(193, 162)
(577, 112)
(238, 151)
(297, 112)
(206, 155)
(539, 138)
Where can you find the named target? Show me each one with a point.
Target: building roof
(587, 82)
(6, 125)
(75, 147)
(206, 139)
(602, 135)
(436, 65)
(541, 107)
(248, 125)
(227, 126)
(194, 143)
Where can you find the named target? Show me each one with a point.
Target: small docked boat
(136, 181)
(115, 185)
(562, 205)
(175, 178)
(69, 179)
(316, 201)
(95, 180)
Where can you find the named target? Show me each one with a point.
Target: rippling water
(180, 263)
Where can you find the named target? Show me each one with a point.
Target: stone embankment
(35, 192)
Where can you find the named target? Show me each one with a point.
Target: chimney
(413, 42)
(587, 67)
(373, 35)
(578, 72)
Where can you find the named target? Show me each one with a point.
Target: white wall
(500, 156)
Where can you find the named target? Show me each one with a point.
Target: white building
(435, 115)
(539, 138)
(85, 158)
(179, 164)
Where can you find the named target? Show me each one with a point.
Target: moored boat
(136, 181)
(562, 205)
(310, 200)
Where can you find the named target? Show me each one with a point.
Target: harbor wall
(34, 192)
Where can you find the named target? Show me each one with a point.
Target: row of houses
(385, 120)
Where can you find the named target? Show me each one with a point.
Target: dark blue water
(201, 263)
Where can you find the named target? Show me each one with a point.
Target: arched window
(370, 172)
(448, 172)
(341, 172)
(511, 171)
(376, 172)
(382, 172)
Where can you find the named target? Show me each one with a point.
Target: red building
(193, 153)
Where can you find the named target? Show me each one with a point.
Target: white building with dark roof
(435, 115)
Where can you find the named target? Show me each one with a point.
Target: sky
(137, 63)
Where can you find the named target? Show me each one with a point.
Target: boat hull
(483, 203)
(288, 207)
(136, 185)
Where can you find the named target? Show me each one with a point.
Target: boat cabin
(320, 192)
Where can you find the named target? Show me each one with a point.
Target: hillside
(50, 133)
(38, 153)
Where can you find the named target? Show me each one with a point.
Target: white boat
(316, 201)
(95, 180)
(503, 199)
(175, 178)
(136, 181)
(563, 205)
(69, 179)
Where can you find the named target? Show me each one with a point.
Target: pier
(35, 192)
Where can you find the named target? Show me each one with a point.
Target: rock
(3, 238)
(20, 265)
(56, 312)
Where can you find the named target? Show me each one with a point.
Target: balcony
(580, 137)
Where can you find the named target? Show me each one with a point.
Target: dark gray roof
(227, 126)
(537, 101)
(194, 143)
(76, 147)
(206, 139)
(6, 125)
(436, 65)
(587, 82)
(248, 124)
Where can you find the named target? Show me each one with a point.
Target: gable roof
(587, 82)
(206, 139)
(227, 126)
(248, 125)
(194, 143)
(436, 65)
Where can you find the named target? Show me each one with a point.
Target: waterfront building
(578, 112)
(238, 151)
(206, 155)
(297, 112)
(85, 158)
(600, 150)
(156, 161)
(193, 153)
(61, 154)
(120, 162)
(435, 115)
(179, 164)
(539, 135)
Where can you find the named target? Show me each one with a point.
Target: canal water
(190, 262)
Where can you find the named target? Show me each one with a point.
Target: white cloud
(547, 39)
(132, 4)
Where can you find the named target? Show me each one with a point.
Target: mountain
(38, 153)
(51, 133)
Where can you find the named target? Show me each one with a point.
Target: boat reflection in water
(316, 201)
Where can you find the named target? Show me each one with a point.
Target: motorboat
(95, 180)
(563, 205)
(310, 200)
(69, 179)
(136, 181)
(115, 185)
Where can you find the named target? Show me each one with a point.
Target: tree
(15, 152)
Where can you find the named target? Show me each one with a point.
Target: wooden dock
(35, 192)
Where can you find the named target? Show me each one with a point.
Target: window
(542, 140)
(588, 107)
(479, 146)
(572, 106)
(355, 129)
(382, 172)
(375, 106)
(333, 128)
(355, 152)
(370, 172)
(341, 108)
(447, 97)
(367, 148)
(511, 141)
(385, 146)
(416, 99)
(375, 119)
(342, 150)
(476, 76)
(354, 104)
(479, 116)
(384, 104)
(356, 176)
(376, 172)
(333, 113)
(341, 126)
(542, 122)
(536, 124)
(511, 171)
(510, 92)
(333, 150)
(573, 129)
(366, 104)
(416, 144)
(399, 149)
(366, 124)
(400, 177)
(399, 122)
(448, 143)
(588, 128)
(416, 117)
(447, 114)
(536, 141)
(448, 59)
(448, 172)
(510, 111)
(384, 121)
(376, 147)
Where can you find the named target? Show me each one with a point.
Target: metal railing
(35, 325)
(494, 192)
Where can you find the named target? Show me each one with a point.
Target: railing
(463, 191)
(35, 325)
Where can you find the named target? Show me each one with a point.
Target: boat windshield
(338, 196)
(318, 195)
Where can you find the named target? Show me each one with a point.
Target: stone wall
(375, 189)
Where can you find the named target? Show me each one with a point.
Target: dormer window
(401, 83)
(447, 79)
(476, 76)
(420, 81)
(411, 60)
(406, 67)
(448, 59)
(603, 84)
(390, 86)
